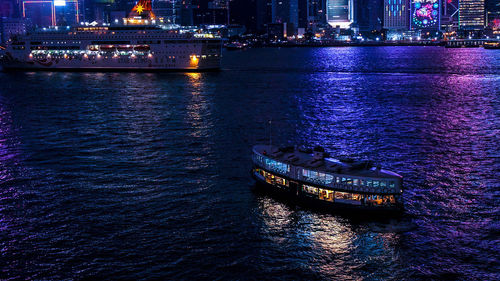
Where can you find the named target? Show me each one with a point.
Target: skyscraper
(396, 15)
(471, 15)
(493, 14)
(40, 12)
(246, 13)
(340, 13)
(303, 13)
(368, 15)
(286, 12)
(316, 11)
(263, 14)
(166, 9)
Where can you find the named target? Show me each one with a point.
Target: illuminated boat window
(310, 189)
(343, 195)
(276, 166)
(325, 194)
(273, 179)
(357, 197)
(317, 177)
(328, 178)
(281, 181)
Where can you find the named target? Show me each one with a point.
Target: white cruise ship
(137, 44)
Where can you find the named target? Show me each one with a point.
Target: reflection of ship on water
(139, 43)
(333, 183)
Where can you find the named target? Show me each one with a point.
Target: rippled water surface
(146, 175)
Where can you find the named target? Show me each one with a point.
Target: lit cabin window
(375, 184)
(355, 182)
(277, 166)
(343, 195)
(369, 183)
(310, 189)
(325, 194)
(328, 179)
(391, 184)
(318, 177)
(383, 184)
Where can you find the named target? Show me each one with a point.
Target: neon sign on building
(425, 14)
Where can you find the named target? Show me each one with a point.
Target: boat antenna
(270, 133)
(228, 14)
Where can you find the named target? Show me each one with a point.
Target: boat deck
(306, 159)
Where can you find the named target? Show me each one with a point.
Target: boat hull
(294, 193)
(107, 69)
(104, 64)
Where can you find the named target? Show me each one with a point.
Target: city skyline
(395, 19)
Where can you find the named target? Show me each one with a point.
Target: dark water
(146, 176)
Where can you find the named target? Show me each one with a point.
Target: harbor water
(144, 176)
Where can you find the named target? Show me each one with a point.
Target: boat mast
(228, 15)
(270, 133)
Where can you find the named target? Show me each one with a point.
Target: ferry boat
(311, 176)
(139, 43)
(492, 45)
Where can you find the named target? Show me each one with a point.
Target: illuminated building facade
(316, 11)
(340, 13)
(471, 15)
(68, 12)
(52, 12)
(40, 12)
(165, 9)
(396, 15)
(425, 14)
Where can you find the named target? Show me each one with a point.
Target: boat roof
(305, 158)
